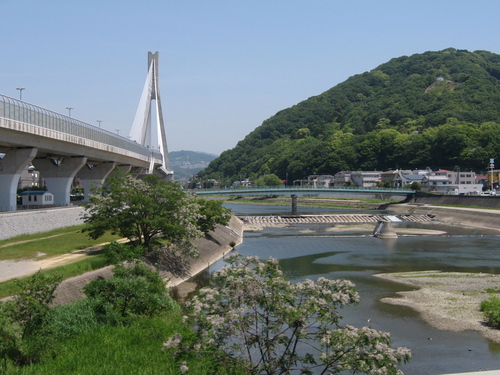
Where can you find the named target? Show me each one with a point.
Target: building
(32, 198)
(342, 178)
(366, 178)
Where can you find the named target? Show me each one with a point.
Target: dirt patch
(447, 300)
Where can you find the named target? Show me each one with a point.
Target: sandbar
(447, 300)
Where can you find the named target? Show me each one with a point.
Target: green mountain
(436, 109)
(187, 163)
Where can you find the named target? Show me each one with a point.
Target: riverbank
(211, 249)
(447, 300)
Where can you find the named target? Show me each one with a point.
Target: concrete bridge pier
(94, 176)
(294, 204)
(11, 166)
(59, 176)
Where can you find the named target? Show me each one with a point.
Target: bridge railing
(20, 111)
(312, 189)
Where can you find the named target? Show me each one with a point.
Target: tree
(269, 180)
(144, 211)
(415, 186)
(252, 317)
(211, 213)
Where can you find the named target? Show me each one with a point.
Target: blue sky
(225, 65)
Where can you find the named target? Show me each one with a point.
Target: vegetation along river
(313, 250)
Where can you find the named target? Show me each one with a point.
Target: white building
(37, 198)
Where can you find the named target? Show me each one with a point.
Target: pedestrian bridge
(295, 191)
(303, 190)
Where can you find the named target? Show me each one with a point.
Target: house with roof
(366, 178)
(37, 198)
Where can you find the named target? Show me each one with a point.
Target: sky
(225, 65)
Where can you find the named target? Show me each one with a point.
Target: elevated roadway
(60, 147)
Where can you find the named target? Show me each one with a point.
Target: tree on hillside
(269, 180)
(146, 212)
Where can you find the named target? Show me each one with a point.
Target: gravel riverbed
(447, 300)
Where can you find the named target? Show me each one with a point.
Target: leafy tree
(269, 180)
(144, 211)
(212, 212)
(415, 186)
(252, 317)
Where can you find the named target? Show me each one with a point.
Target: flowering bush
(255, 319)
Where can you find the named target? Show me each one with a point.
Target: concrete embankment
(211, 249)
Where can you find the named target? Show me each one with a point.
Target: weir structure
(141, 131)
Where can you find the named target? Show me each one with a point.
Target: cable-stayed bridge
(60, 147)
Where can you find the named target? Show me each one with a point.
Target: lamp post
(99, 122)
(69, 110)
(20, 92)
(117, 131)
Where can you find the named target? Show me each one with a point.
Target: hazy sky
(225, 65)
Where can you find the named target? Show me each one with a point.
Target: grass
(55, 242)
(90, 263)
(106, 350)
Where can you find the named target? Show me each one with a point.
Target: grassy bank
(89, 263)
(120, 350)
(47, 244)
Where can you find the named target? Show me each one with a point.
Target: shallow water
(333, 255)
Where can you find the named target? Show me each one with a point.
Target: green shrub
(491, 310)
(130, 292)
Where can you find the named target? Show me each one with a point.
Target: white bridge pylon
(141, 128)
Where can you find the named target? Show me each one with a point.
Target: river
(310, 251)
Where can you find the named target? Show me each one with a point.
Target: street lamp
(69, 110)
(117, 131)
(20, 92)
(99, 121)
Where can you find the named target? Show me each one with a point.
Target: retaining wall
(457, 200)
(14, 224)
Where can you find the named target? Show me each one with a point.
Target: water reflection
(310, 251)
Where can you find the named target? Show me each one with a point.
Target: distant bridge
(295, 191)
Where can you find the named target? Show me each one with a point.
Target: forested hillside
(436, 109)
